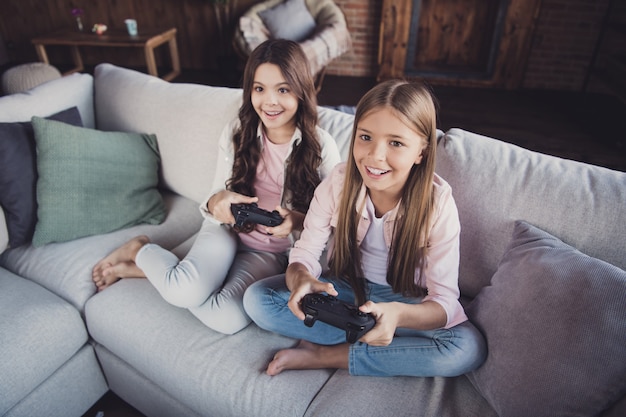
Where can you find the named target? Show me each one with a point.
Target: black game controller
(335, 312)
(252, 214)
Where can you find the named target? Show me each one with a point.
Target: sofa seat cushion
(211, 373)
(554, 322)
(65, 268)
(398, 396)
(40, 332)
(70, 391)
(495, 183)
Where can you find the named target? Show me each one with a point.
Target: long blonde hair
(415, 106)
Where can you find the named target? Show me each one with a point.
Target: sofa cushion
(187, 120)
(339, 125)
(398, 396)
(65, 268)
(93, 182)
(188, 360)
(18, 175)
(495, 183)
(288, 20)
(554, 323)
(40, 332)
(51, 97)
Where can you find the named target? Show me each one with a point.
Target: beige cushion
(26, 76)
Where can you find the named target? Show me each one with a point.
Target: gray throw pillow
(289, 20)
(92, 182)
(18, 175)
(555, 323)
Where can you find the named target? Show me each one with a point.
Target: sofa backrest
(186, 118)
(49, 98)
(495, 183)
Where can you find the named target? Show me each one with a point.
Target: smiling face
(385, 149)
(274, 102)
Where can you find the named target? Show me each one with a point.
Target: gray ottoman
(26, 76)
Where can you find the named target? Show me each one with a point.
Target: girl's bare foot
(113, 273)
(119, 264)
(307, 355)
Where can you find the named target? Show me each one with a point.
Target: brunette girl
(273, 155)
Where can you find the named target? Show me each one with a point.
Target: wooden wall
(573, 40)
(196, 21)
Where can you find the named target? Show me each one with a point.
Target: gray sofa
(554, 317)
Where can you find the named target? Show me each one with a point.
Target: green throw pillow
(92, 182)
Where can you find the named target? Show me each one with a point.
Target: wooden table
(148, 40)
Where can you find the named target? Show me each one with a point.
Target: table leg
(150, 61)
(78, 61)
(175, 60)
(41, 53)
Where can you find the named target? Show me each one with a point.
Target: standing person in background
(273, 154)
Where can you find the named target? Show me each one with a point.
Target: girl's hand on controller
(300, 282)
(292, 220)
(282, 230)
(220, 202)
(387, 316)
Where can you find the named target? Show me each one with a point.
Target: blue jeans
(441, 352)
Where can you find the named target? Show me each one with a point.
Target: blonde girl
(395, 251)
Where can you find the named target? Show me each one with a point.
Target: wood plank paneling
(455, 35)
(457, 42)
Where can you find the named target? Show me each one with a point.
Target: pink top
(269, 182)
(442, 259)
(268, 186)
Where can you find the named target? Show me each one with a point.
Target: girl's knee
(470, 349)
(259, 300)
(253, 297)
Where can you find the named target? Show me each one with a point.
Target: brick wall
(562, 51)
(363, 17)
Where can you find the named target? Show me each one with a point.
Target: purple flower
(77, 12)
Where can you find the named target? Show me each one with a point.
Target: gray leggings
(211, 280)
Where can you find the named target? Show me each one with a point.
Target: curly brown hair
(301, 176)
